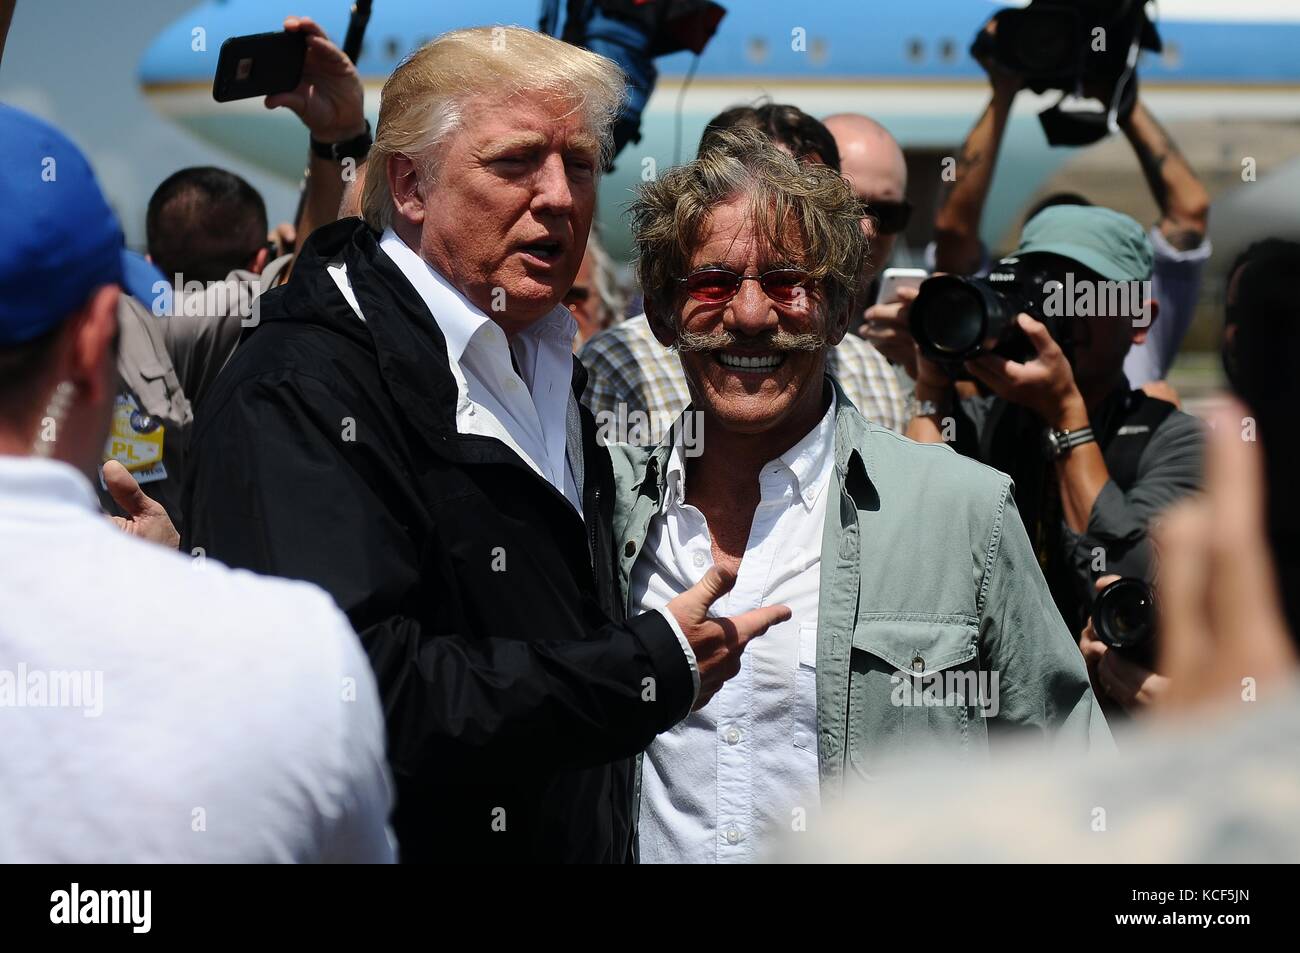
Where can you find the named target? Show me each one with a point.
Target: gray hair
(805, 213)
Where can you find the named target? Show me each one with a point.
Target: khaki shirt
(166, 363)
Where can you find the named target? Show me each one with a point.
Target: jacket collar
(853, 442)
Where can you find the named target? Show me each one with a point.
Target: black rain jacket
(515, 693)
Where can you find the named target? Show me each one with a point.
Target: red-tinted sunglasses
(716, 285)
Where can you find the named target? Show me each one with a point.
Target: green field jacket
(936, 629)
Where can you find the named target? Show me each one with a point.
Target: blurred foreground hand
(1222, 630)
(145, 517)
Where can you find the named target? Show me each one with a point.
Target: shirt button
(801, 740)
(630, 548)
(733, 736)
(918, 664)
(733, 836)
(699, 560)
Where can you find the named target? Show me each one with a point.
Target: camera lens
(1124, 615)
(951, 317)
(953, 321)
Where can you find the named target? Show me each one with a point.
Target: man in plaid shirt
(629, 370)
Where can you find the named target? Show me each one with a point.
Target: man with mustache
(920, 621)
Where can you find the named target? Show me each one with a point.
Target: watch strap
(358, 147)
(1063, 441)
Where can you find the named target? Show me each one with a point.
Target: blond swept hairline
(424, 100)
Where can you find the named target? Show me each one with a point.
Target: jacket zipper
(591, 532)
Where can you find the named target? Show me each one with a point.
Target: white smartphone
(895, 278)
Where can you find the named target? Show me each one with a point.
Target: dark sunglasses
(891, 217)
(716, 285)
(578, 294)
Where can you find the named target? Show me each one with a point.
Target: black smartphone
(259, 64)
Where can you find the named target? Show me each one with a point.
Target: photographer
(1093, 461)
(1178, 238)
(1261, 312)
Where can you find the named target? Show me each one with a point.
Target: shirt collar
(809, 462)
(457, 318)
(26, 482)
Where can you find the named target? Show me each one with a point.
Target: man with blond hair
(402, 429)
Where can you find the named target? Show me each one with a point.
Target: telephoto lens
(955, 319)
(1124, 617)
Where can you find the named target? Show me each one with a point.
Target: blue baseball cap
(142, 280)
(59, 240)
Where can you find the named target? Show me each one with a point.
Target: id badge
(135, 440)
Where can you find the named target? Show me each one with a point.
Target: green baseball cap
(1108, 242)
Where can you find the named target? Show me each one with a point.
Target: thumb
(1035, 330)
(125, 491)
(715, 583)
(293, 99)
(752, 624)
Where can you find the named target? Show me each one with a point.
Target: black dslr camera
(1069, 44)
(1124, 617)
(955, 318)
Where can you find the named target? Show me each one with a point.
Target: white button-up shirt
(160, 708)
(744, 767)
(527, 411)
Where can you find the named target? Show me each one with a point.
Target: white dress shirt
(160, 708)
(742, 769)
(529, 415)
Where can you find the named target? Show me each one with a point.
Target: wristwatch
(1057, 443)
(357, 148)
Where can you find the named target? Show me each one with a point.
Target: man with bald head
(872, 161)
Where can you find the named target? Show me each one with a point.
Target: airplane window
(756, 49)
(915, 50)
(818, 51)
(948, 50)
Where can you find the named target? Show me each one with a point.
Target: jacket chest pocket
(915, 690)
(159, 392)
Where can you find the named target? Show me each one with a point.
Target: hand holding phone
(895, 278)
(885, 324)
(260, 64)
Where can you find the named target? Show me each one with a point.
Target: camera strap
(1128, 431)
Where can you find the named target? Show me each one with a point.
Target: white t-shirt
(160, 708)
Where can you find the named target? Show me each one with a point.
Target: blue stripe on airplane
(899, 41)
